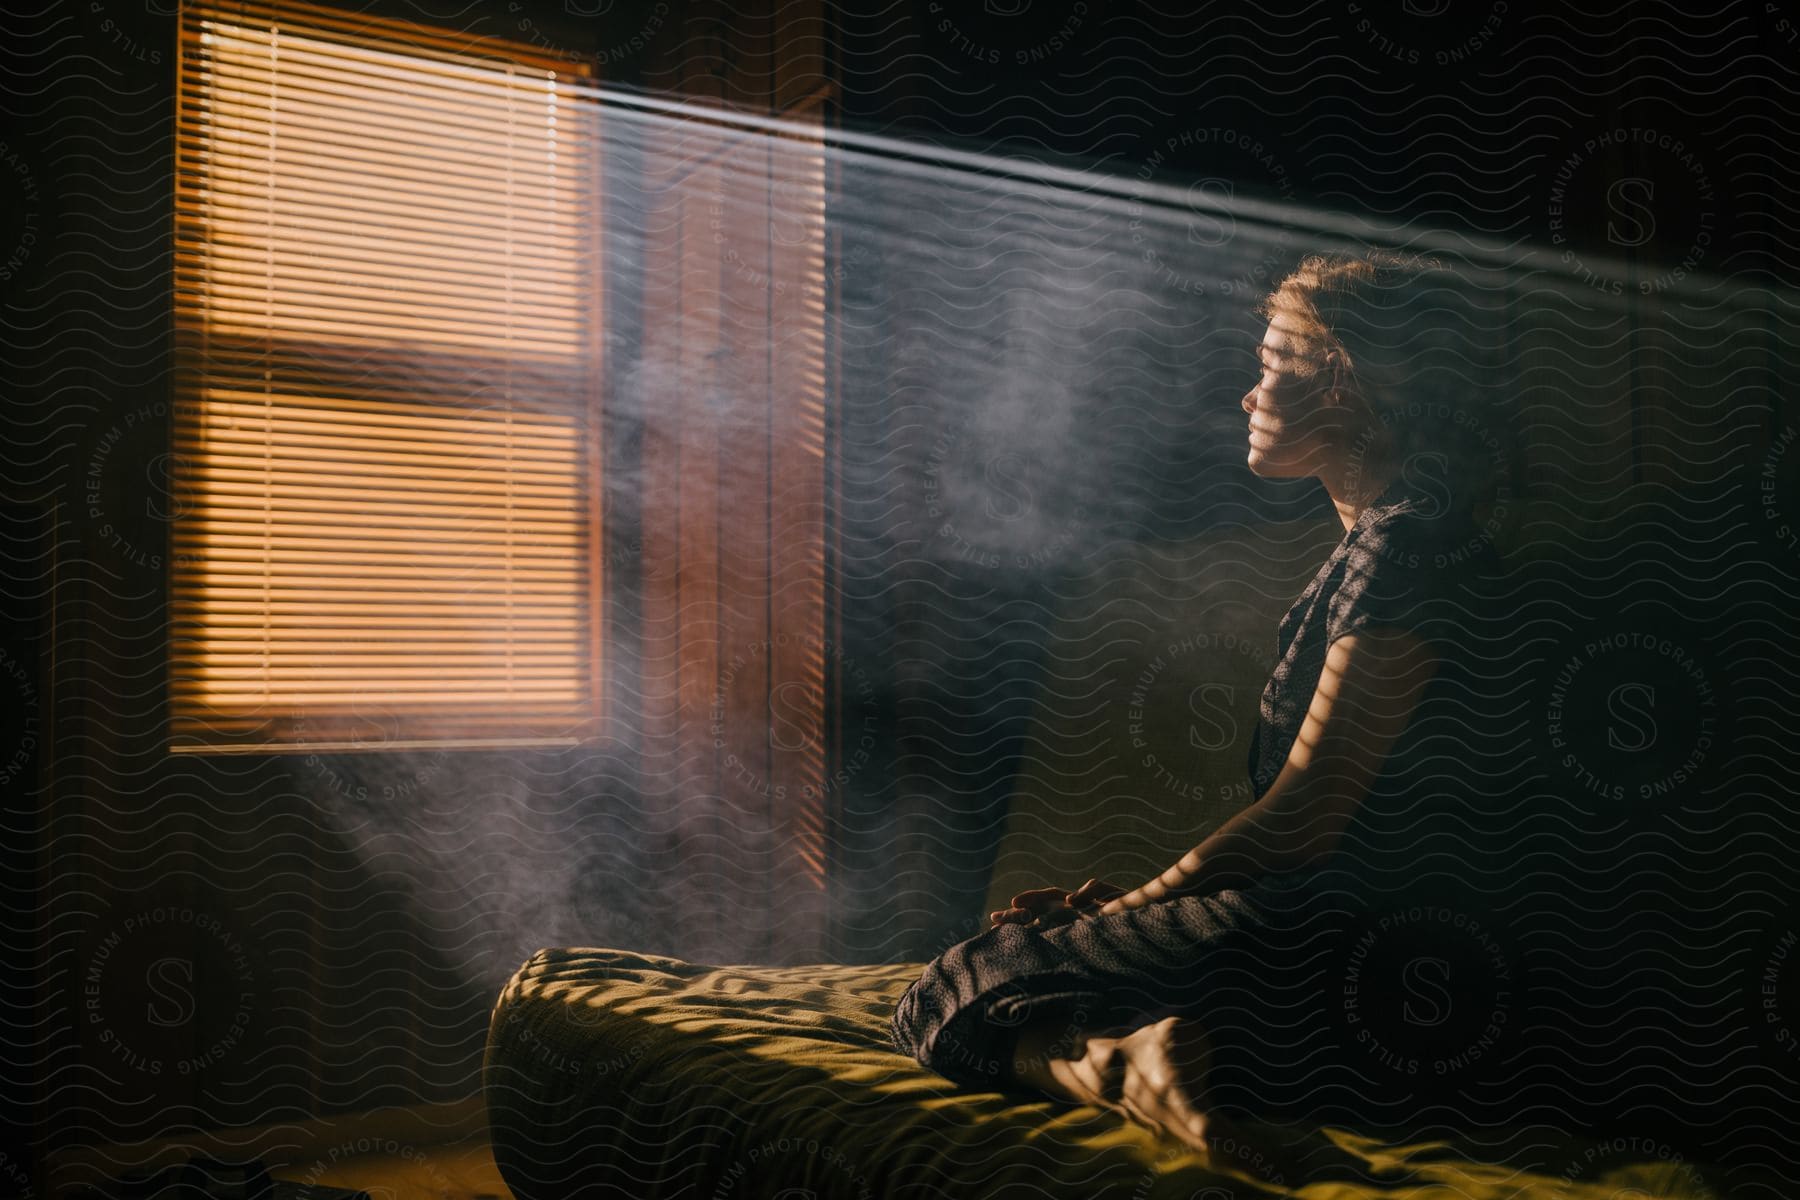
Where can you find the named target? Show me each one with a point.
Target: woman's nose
(1248, 403)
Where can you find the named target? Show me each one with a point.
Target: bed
(613, 1073)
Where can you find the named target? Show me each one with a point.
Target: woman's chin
(1264, 467)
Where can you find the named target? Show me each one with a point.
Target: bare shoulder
(1377, 651)
(1371, 682)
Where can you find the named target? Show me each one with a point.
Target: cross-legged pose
(1102, 994)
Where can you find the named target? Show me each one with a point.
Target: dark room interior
(578, 569)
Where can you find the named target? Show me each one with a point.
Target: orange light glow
(387, 284)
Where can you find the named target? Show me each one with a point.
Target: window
(386, 515)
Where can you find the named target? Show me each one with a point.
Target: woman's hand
(1173, 882)
(1044, 908)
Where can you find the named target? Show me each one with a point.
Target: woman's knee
(944, 985)
(963, 1013)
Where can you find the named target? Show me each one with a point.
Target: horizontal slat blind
(387, 290)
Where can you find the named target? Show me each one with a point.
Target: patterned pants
(1322, 996)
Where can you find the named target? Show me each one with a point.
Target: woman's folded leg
(1254, 960)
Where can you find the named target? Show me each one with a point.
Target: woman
(1099, 995)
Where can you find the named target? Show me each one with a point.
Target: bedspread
(610, 1072)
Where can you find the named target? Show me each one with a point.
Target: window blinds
(386, 436)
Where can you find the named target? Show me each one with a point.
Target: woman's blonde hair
(1413, 347)
(1365, 306)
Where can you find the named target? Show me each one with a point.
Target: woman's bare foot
(1155, 1075)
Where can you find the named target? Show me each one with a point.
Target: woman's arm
(1368, 689)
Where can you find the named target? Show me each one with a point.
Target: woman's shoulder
(1410, 559)
(1412, 527)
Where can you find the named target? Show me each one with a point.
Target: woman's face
(1292, 417)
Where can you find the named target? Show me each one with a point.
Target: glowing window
(386, 440)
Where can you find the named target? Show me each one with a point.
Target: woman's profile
(1100, 994)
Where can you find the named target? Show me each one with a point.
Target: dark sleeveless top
(1409, 562)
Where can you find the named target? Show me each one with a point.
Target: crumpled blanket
(613, 1073)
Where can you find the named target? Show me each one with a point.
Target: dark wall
(1469, 117)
